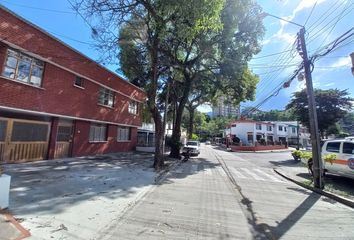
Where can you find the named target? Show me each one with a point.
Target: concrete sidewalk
(76, 198)
(195, 201)
(10, 228)
(300, 175)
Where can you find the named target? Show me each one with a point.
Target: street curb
(337, 198)
(161, 175)
(24, 232)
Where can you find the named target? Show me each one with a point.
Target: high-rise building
(225, 109)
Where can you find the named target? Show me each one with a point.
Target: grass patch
(335, 186)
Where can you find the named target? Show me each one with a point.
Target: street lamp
(315, 138)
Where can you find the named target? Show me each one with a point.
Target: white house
(250, 131)
(303, 136)
(280, 131)
(146, 136)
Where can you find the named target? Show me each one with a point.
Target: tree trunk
(176, 133)
(152, 104)
(159, 133)
(191, 121)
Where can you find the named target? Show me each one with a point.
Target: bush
(307, 155)
(330, 157)
(194, 137)
(296, 155)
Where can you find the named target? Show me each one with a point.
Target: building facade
(223, 109)
(55, 102)
(250, 131)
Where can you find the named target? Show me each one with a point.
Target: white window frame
(26, 76)
(258, 126)
(98, 133)
(280, 128)
(106, 97)
(133, 107)
(81, 80)
(123, 134)
(269, 128)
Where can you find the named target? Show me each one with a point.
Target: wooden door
(64, 140)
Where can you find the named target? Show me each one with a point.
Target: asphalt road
(223, 195)
(281, 209)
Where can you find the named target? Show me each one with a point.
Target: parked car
(207, 143)
(343, 164)
(192, 147)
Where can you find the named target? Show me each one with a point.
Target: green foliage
(306, 155)
(194, 137)
(329, 157)
(199, 46)
(297, 153)
(332, 105)
(346, 125)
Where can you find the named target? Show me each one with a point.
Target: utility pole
(352, 57)
(315, 138)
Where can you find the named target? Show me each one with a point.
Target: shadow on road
(287, 223)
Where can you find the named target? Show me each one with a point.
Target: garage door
(23, 140)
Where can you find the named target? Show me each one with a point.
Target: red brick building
(55, 102)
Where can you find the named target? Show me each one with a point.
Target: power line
(37, 8)
(310, 13)
(273, 54)
(346, 10)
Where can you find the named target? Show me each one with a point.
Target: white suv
(192, 147)
(343, 165)
(344, 162)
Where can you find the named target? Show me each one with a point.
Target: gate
(23, 140)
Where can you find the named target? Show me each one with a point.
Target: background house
(55, 102)
(250, 131)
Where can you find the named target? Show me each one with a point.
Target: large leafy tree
(331, 106)
(217, 58)
(166, 42)
(144, 32)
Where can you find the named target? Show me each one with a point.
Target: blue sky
(325, 21)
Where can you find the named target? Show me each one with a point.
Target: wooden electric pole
(315, 137)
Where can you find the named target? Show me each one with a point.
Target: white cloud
(342, 62)
(305, 4)
(290, 38)
(266, 41)
(329, 84)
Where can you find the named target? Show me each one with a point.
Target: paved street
(237, 199)
(217, 195)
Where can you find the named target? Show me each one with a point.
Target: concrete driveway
(76, 198)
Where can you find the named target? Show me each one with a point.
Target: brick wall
(81, 145)
(58, 95)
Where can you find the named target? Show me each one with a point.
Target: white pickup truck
(343, 165)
